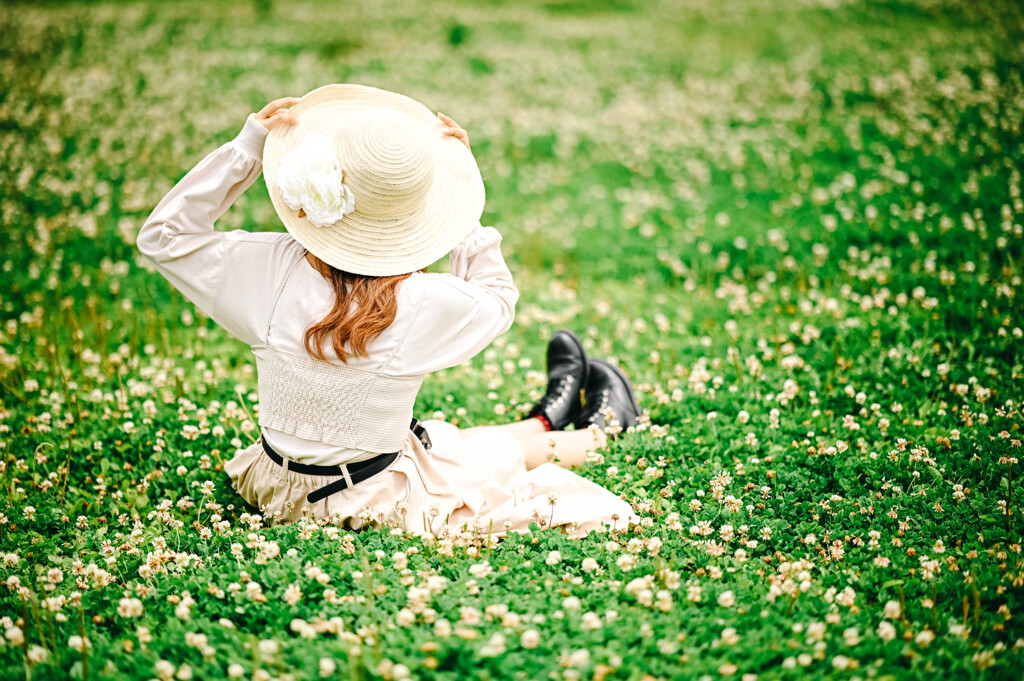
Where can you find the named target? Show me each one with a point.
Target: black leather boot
(567, 376)
(608, 389)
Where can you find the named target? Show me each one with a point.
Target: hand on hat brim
(273, 114)
(455, 130)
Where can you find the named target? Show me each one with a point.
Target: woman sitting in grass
(345, 324)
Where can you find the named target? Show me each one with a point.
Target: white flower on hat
(311, 180)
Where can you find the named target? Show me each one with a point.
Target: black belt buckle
(372, 467)
(363, 469)
(420, 432)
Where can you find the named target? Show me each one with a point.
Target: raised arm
(460, 313)
(179, 234)
(478, 261)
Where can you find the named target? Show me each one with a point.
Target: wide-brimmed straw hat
(379, 188)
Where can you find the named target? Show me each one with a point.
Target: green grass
(797, 226)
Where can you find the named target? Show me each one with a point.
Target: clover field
(796, 225)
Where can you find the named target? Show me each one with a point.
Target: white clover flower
(480, 569)
(79, 644)
(15, 635)
(164, 669)
(851, 636)
(293, 594)
(311, 180)
(579, 658)
(130, 607)
(327, 667)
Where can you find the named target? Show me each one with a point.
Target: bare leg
(569, 447)
(518, 429)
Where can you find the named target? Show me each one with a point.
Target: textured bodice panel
(333, 403)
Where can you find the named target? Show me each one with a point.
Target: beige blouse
(260, 288)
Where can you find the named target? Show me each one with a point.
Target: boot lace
(556, 396)
(596, 409)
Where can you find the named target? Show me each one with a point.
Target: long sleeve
(478, 261)
(179, 236)
(463, 312)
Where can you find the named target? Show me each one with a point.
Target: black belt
(359, 471)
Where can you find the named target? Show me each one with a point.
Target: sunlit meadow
(797, 225)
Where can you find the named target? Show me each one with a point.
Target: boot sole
(629, 386)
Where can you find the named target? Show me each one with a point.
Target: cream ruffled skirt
(479, 483)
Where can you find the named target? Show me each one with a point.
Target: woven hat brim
(363, 244)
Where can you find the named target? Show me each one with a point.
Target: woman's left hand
(454, 130)
(273, 115)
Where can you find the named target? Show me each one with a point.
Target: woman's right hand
(273, 114)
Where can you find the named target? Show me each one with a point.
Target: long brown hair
(363, 307)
